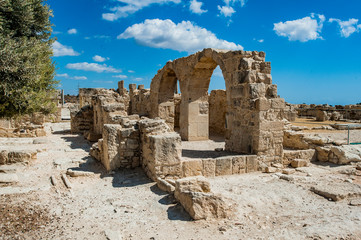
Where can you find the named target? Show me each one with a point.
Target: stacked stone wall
(217, 112)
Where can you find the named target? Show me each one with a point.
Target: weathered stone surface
(322, 153)
(224, 166)
(78, 173)
(345, 154)
(192, 168)
(271, 170)
(165, 186)
(209, 167)
(195, 196)
(288, 171)
(337, 191)
(289, 155)
(3, 157)
(299, 163)
(239, 164)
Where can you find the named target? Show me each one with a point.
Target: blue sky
(314, 46)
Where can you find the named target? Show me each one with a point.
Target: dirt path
(127, 205)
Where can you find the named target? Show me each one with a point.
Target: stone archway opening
(169, 99)
(204, 111)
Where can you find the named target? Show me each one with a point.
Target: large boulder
(195, 196)
(345, 154)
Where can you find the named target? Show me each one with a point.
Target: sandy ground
(127, 205)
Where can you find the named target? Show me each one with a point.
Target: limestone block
(21, 156)
(166, 148)
(278, 103)
(195, 196)
(289, 155)
(165, 186)
(299, 163)
(111, 158)
(223, 166)
(345, 154)
(193, 184)
(263, 104)
(8, 178)
(192, 168)
(321, 116)
(3, 157)
(239, 164)
(294, 140)
(322, 153)
(252, 164)
(270, 170)
(209, 167)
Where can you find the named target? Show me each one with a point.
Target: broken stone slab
(77, 173)
(8, 178)
(270, 170)
(299, 163)
(345, 154)
(165, 185)
(8, 169)
(337, 191)
(288, 171)
(194, 195)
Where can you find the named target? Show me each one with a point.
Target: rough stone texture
(161, 150)
(195, 196)
(111, 141)
(253, 119)
(299, 163)
(323, 153)
(290, 155)
(16, 156)
(8, 178)
(345, 154)
(82, 121)
(217, 112)
(192, 168)
(338, 112)
(337, 191)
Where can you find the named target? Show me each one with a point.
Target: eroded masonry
(145, 127)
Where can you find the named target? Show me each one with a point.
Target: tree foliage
(26, 68)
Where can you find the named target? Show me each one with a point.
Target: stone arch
(254, 123)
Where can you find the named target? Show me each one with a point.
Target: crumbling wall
(161, 149)
(217, 112)
(326, 112)
(82, 121)
(139, 100)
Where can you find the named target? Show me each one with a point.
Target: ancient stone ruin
(145, 127)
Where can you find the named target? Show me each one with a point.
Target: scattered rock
(288, 171)
(40, 141)
(218, 149)
(73, 173)
(299, 163)
(337, 191)
(287, 178)
(165, 186)
(270, 170)
(194, 195)
(345, 154)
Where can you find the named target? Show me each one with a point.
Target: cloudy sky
(314, 46)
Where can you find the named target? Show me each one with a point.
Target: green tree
(26, 68)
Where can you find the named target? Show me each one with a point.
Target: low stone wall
(82, 121)
(326, 112)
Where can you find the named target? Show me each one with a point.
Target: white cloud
(120, 76)
(61, 50)
(80, 78)
(98, 58)
(196, 7)
(260, 40)
(138, 79)
(65, 75)
(99, 81)
(226, 11)
(72, 31)
(183, 36)
(347, 27)
(92, 67)
(131, 71)
(131, 6)
(303, 30)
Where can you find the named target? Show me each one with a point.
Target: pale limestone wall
(161, 149)
(217, 112)
(139, 100)
(86, 94)
(326, 112)
(108, 107)
(253, 119)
